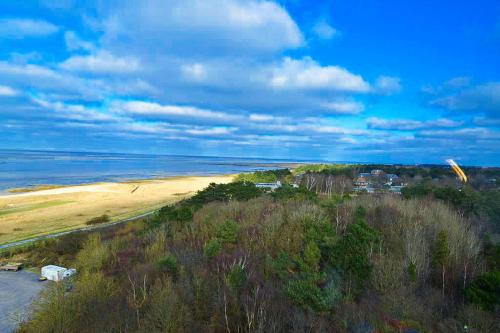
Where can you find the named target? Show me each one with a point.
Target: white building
(271, 186)
(57, 273)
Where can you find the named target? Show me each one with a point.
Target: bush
(306, 293)
(289, 192)
(168, 263)
(236, 277)
(267, 176)
(228, 232)
(93, 255)
(98, 220)
(212, 248)
(485, 290)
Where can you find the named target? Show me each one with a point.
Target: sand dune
(42, 212)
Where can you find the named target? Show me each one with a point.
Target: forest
(236, 258)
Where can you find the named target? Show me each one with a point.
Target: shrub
(228, 232)
(98, 220)
(485, 290)
(311, 255)
(236, 277)
(306, 293)
(212, 248)
(289, 192)
(264, 176)
(85, 308)
(93, 255)
(168, 263)
(167, 312)
(158, 243)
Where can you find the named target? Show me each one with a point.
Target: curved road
(58, 234)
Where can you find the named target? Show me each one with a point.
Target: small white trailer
(56, 273)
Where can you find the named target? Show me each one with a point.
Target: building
(391, 178)
(370, 182)
(56, 273)
(395, 189)
(361, 182)
(270, 186)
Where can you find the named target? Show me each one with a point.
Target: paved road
(17, 292)
(58, 234)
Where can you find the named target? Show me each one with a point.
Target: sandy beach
(36, 213)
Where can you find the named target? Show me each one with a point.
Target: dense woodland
(234, 258)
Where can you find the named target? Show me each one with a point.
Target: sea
(22, 168)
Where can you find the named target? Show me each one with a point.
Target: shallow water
(32, 168)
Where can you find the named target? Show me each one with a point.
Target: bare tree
(137, 296)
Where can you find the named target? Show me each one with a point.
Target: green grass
(25, 208)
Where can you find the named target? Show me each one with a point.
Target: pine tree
(441, 255)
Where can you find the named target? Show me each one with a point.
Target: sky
(384, 81)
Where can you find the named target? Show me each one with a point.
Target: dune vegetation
(234, 258)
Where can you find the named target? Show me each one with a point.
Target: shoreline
(55, 188)
(46, 211)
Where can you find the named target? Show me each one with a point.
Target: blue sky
(369, 81)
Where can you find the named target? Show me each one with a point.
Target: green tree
(351, 254)
(440, 255)
(485, 290)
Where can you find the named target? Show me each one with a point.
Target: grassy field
(28, 207)
(44, 212)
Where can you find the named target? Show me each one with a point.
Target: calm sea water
(32, 168)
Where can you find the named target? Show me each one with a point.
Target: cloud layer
(225, 77)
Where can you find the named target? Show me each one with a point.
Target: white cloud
(325, 31)
(344, 107)
(475, 133)
(101, 62)
(73, 42)
(155, 109)
(230, 25)
(261, 117)
(309, 75)
(195, 72)
(7, 91)
(150, 128)
(387, 85)
(17, 28)
(212, 131)
(46, 79)
(481, 98)
(70, 86)
(482, 121)
(76, 111)
(458, 82)
(311, 128)
(409, 124)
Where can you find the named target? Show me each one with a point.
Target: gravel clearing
(17, 292)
